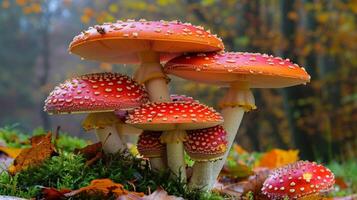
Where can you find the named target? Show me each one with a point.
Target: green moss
(347, 171)
(69, 171)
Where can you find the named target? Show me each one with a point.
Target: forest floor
(69, 168)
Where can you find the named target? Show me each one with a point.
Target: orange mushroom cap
(207, 144)
(149, 144)
(121, 42)
(100, 92)
(174, 116)
(298, 180)
(255, 69)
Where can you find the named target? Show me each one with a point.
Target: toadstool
(150, 146)
(99, 95)
(205, 146)
(174, 118)
(240, 72)
(300, 180)
(147, 43)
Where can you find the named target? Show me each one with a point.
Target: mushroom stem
(176, 159)
(128, 134)
(110, 139)
(175, 151)
(202, 175)
(238, 99)
(151, 74)
(158, 163)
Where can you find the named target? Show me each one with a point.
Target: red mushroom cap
(121, 42)
(257, 70)
(180, 97)
(149, 144)
(297, 180)
(174, 116)
(101, 92)
(206, 144)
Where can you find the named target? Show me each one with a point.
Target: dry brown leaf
(42, 149)
(92, 153)
(238, 190)
(53, 194)
(161, 194)
(277, 158)
(11, 152)
(104, 186)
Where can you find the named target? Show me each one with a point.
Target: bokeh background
(319, 119)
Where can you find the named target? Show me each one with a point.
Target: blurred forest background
(319, 119)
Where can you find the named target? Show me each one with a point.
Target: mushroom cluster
(119, 106)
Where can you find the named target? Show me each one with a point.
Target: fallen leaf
(161, 194)
(11, 152)
(277, 158)
(92, 153)
(238, 190)
(42, 149)
(53, 193)
(104, 186)
(237, 171)
(341, 183)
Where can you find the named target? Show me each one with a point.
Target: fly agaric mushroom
(205, 146)
(300, 180)
(98, 94)
(240, 72)
(150, 146)
(174, 118)
(144, 42)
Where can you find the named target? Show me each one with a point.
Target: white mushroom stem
(201, 175)
(128, 134)
(158, 163)
(175, 152)
(151, 73)
(238, 99)
(110, 139)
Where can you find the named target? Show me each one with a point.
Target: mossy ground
(69, 171)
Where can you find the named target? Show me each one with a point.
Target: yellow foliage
(5, 4)
(239, 149)
(277, 158)
(36, 8)
(21, 2)
(113, 8)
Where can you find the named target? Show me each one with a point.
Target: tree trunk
(293, 108)
(46, 56)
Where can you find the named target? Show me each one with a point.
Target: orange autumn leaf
(42, 149)
(105, 186)
(239, 149)
(277, 158)
(11, 152)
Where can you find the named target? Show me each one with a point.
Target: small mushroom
(300, 180)
(150, 146)
(99, 95)
(204, 146)
(174, 118)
